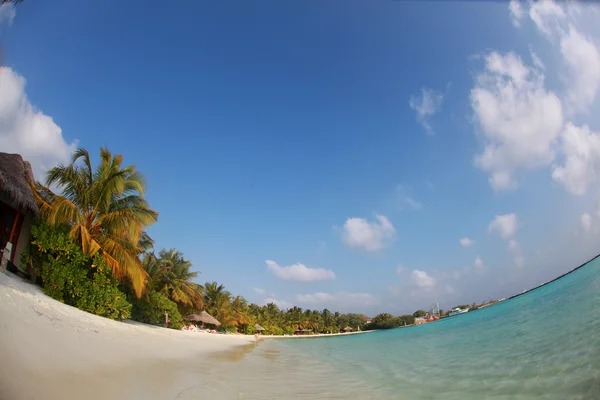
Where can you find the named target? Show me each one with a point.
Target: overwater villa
(17, 208)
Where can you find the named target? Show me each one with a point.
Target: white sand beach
(49, 350)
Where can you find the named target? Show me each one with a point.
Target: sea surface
(544, 344)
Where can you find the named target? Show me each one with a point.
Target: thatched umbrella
(203, 317)
(347, 329)
(15, 178)
(259, 328)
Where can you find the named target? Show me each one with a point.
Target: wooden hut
(17, 207)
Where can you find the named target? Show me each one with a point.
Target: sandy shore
(49, 350)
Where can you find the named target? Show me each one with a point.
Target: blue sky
(346, 137)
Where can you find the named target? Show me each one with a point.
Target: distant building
(17, 208)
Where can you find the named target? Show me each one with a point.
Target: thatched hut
(259, 328)
(203, 317)
(347, 329)
(17, 207)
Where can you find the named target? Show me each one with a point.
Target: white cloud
(516, 12)
(300, 272)
(505, 225)
(282, 304)
(586, 222)
(546, 15)
(466, 242)
(7, 14)
(400, 270)
(368, 236)
(519, 119)
(422, 279)
(260, 291)
(27, 131)
(340, 299)
(583, 63)
(580, 55)
(581, 150)
(426, 106)
(406, 200)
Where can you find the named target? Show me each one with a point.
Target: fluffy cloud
(546, 15)
(282, 304)
(260, 291)
(581, 150)
(340, 299)
(27, 131)
(426, 106)
(505, 225)
(586, 222)
(519, 119)
(360, 234)
(7, 14)
(422, 279)
(582, 59)
(516, 12)
(466, 242)
(299, 272)
(580, 55)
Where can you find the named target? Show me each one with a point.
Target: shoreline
(320, 335)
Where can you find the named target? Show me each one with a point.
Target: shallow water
(542, 345)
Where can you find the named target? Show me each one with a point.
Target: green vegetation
(152, 308)
(72, 277)
(104, 209)
(388, 321)
(91, 250)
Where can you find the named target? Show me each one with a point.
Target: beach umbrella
(258, 327)
(203, 317)
(347, 329)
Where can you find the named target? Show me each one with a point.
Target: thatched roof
(203, 317)
(15, 175)
(258, 327)
(347, 328)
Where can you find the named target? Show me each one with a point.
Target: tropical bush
(72, 277)
(104, 208)
(151, 309)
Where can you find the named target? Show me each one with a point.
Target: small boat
(457, 311)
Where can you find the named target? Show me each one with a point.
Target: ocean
(544, 344)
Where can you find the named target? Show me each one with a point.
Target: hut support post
(11, 237)
(14, 225)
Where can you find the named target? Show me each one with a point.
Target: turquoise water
(542, 345)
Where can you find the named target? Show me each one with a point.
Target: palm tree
(105, 209)
(214, 295)
(170, 275)
(146, 243)
(240, 312)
